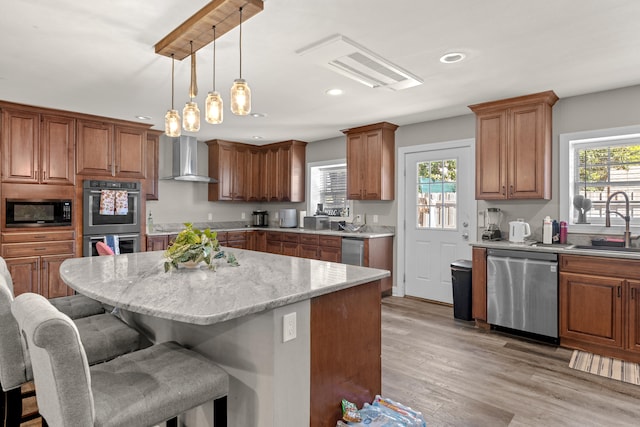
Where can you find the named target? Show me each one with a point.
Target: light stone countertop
(381, 231)
(137, 282)
(557, 248)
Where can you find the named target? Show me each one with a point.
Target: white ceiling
(98, 57)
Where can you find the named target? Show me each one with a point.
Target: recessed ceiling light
(143, 117)
(256, 137)
(258, 115)
(334, 92)
(452, 57)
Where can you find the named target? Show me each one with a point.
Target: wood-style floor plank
(459, 375)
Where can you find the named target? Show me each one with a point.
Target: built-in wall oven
(111, 208)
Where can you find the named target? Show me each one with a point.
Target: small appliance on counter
(288, 218)
(318, 222)
(518, 231)
(492, 232)
(260, 218)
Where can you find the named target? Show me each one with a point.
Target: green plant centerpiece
(193, 246)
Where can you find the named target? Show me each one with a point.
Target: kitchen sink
(605, 248)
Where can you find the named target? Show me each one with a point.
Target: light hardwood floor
(459, 375)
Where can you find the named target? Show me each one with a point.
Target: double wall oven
(123, 223)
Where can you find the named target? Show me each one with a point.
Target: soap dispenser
(547, 230)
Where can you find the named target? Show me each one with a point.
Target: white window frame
(312, 209)
(567, 142)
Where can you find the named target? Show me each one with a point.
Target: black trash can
(461, 281)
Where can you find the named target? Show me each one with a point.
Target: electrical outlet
(243, 216)
(210, 216)
(481, 223)
(289, 328)
(276, 215)
(375, 219)
(359, 219)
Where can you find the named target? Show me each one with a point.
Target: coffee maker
(493, 218)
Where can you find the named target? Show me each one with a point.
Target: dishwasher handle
(540, 256)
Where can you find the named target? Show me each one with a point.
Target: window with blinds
(328, 187)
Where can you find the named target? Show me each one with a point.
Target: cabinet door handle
(40, 249)
(511, 190)
(504, 190)
(619, 292)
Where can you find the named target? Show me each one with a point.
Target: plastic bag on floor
(384, 412)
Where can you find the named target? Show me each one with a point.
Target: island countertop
(138, 283)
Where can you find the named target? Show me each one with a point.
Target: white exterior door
(439, 215)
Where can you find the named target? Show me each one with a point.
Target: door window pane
(436, 194)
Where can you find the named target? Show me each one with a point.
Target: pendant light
(191, 113)
(213, 105)
(240, 92)
(172, 118)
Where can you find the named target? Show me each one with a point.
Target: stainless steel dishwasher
(522, 291)
(352, 251)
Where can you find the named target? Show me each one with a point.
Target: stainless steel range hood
(185, 161)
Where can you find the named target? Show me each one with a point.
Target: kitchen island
(235, 315)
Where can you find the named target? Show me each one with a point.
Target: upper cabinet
(37, 148)
(227, 162)
(513, 147)
(107, 149)
(371, 162)
(152, 153)
(273, 172)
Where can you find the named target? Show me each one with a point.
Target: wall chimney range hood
(185, 161)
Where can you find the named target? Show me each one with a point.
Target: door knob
(465, 235)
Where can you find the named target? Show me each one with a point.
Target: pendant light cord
(173, 60)
(214, 58)
(240, 42)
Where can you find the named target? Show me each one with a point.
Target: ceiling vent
(352, 60)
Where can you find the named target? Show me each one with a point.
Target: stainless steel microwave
(38, 213)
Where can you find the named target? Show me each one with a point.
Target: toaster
(318, 222)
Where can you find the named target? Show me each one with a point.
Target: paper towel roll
(301, 220)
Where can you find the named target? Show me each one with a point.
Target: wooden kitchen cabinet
(152, 164)
(371, 162)
(37, 148)
(599, 308)
(513, 147)
(34, 258)
(273, 172)
(330, 248)
(106, 149)
(236, 239)
(290, 244)
(479, 284)
(157, 243)
(274, 243)
(227, 161)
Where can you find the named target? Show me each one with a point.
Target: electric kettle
(518, 230)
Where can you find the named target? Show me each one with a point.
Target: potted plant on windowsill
(193, 247)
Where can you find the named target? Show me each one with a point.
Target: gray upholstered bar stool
(103, 337)
(74, 306)
(139, 389)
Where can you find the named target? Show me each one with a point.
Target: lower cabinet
(234, 239)
(479, 284)
(34, 259)
(599, 305)
(330, 248)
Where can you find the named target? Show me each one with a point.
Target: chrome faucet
(627, 218)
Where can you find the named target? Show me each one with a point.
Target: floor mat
(605, 367)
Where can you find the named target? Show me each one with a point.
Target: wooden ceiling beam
(224, 14)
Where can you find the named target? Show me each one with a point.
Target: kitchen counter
(236, 317)
(555, 248)
(137, 282)
(162, 230)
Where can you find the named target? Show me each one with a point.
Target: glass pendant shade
(172, 123)
(191, 117)
(213, 108)
(240, 98)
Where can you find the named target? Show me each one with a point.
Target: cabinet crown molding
(548, 97)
